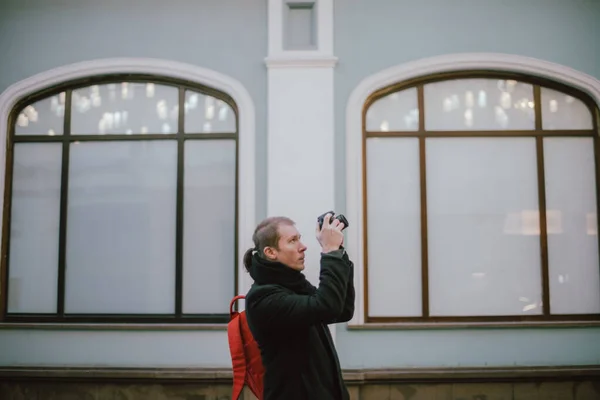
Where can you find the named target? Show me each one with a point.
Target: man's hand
(330, 236)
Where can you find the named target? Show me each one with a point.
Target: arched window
(121, 202)
(480, 200)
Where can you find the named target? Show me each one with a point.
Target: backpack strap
(232, 302)
(236, 347)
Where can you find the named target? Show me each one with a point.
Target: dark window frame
(421, 133)
(178, 317)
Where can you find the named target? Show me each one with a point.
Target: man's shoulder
(261, 298)
(258, 292)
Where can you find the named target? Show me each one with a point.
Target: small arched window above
(480, 200)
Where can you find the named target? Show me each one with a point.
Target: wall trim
(167, 68)
(96, 327)
(301, 62)
(411, 70)
(354, 376)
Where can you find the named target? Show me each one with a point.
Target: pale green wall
(371, 35)
(228, 36)
(119, 348)
(231, 37)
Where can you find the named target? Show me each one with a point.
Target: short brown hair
(266, 234)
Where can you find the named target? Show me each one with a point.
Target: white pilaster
(300, 126)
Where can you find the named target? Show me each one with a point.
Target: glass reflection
(527, 222)
(561, 111)
(395, 112)
(124, 108)
(206, 114)
(44, 117)
(501, 105)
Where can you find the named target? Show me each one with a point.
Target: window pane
(484, 245)
(395, 112)
(479, 104)
(125, 108)
(394, 227)
(573, 232)
(209, 226)
(206, 114)
(121, 227)
(561, 111)
(34, 226)
(44, 117)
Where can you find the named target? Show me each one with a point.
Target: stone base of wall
(586, 390)
(450, 384)
(481, 391)
(107, 391)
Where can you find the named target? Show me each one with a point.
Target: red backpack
(246, 360)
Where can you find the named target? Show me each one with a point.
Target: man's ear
(270, 253)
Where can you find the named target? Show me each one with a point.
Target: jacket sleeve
(350, 296)
(281, 309)
(348, 309)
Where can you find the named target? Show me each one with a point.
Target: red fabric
(245, 354)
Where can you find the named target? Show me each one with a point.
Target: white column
(300, 137)
(301, 117)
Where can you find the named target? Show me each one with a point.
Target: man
(288, 316)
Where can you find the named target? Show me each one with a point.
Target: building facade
(142, 143)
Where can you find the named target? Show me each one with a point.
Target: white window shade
(398, 111)
(209, 226)
(34, 228)
(394, 227)
(121, 227)
(479, 104)
(573, 242)
(562, 111)
(480, 263)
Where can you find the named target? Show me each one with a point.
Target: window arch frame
(439, 68)
(183, 77)
(422, 134)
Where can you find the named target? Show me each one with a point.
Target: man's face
(290, 249)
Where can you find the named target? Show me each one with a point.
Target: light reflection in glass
(123, 112)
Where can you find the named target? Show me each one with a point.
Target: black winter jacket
(288, 318)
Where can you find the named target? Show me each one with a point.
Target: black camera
(339, 217)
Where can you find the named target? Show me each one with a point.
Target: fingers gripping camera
(339, 217)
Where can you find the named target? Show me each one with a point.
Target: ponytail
(248, 258)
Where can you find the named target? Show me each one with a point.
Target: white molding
(275, 21)
(173, 69)
(325, 20)
(322, 56)
(301, 61)
(411, 70)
